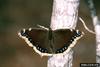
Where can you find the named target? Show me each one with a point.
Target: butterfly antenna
(42, 27)
(86, 26)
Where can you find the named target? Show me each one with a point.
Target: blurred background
(19, 14)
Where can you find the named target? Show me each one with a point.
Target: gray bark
(64, 16)
(96, 23)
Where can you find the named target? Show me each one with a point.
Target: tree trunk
(96, 23)
(64, 16)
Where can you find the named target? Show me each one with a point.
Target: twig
(86, 26)
(64, 16)
(96, 23)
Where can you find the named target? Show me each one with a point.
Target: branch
(64, 16)
(96, 23)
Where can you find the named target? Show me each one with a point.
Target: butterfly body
(50, 42)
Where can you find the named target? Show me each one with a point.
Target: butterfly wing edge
(31, 45)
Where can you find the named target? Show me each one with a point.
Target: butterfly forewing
(62, 39)
(38, 38)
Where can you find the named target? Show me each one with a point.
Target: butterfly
(48, 42)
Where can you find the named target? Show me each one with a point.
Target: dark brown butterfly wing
(48, 42)
(36, 38)
(65, 38)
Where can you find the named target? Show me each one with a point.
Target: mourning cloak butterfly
(50, 42)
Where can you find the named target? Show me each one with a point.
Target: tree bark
(64, 16)
(96, 23)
